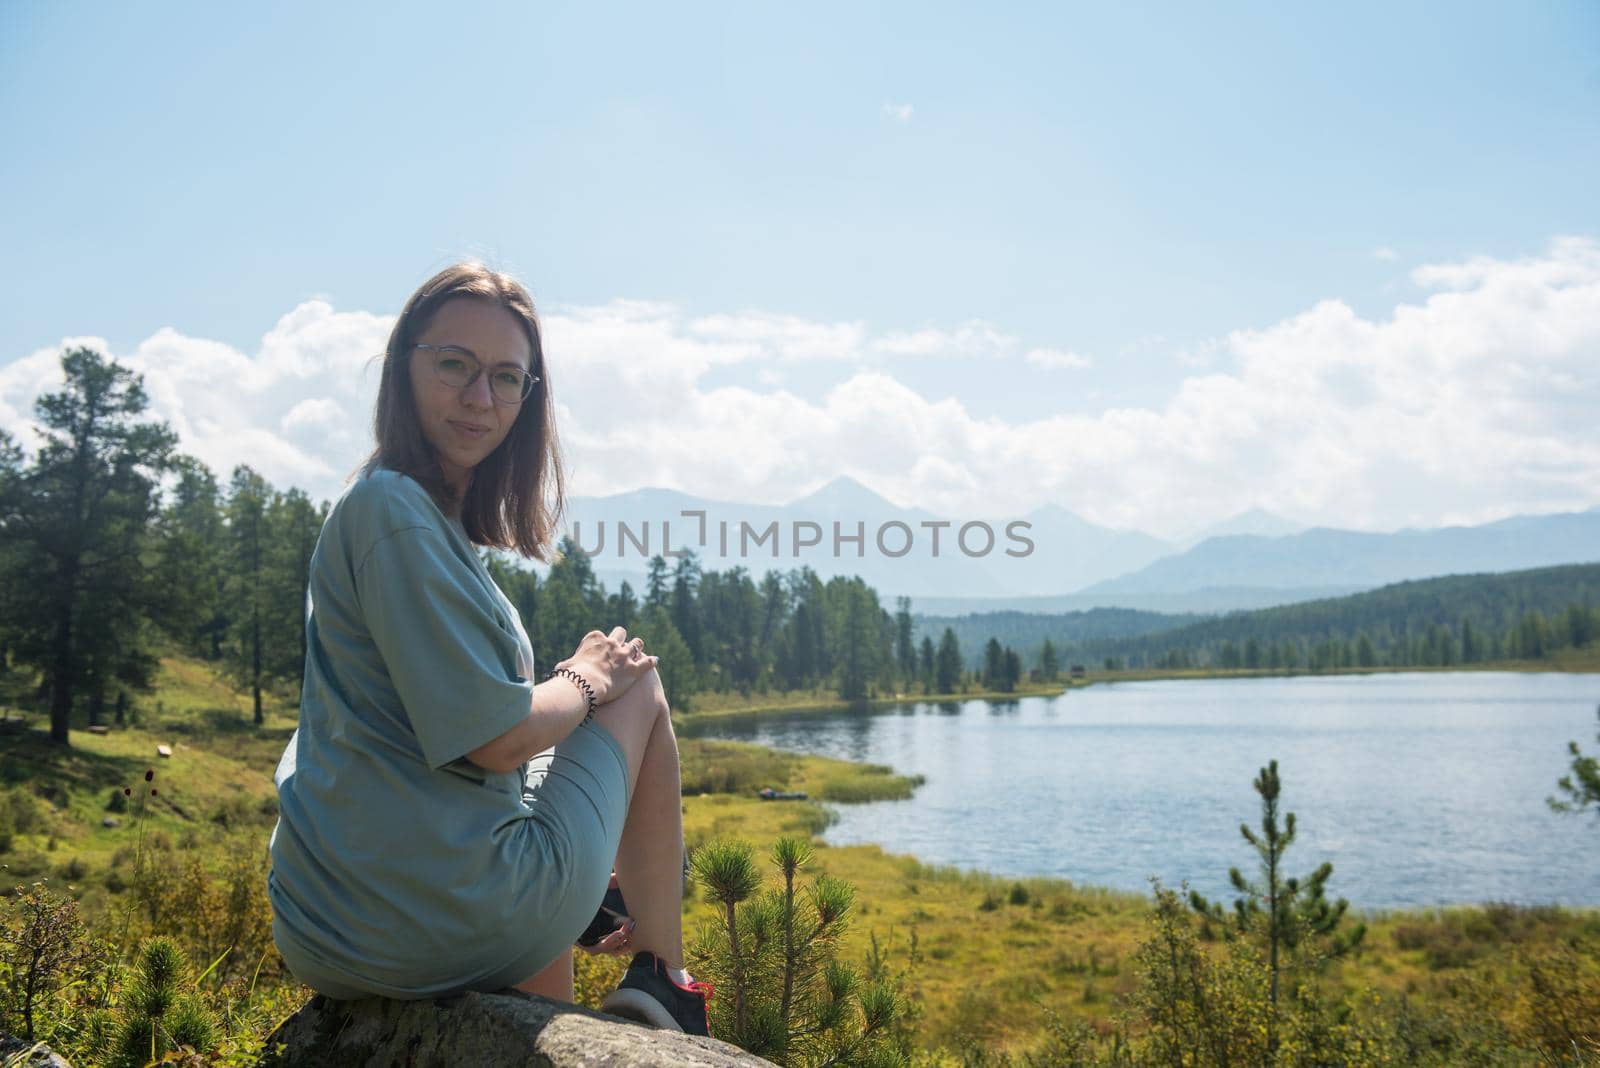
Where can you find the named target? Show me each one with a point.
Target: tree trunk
(255, 665)
(61, 675)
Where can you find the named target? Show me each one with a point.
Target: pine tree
(947, 663)
(855, 649)
(905, 652)
(676, 667)
(993, 664)
(1581, 788)
(1049, 662)
(655, 595)
(293, 524)
(157, 1015)
(685, 612)
(1579, 626)
(249, 498)
(623, 607)
(76, 522)
(1290, 916)
(1010, 670)
(189, 541)
(774, 957)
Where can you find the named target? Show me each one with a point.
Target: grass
(1030, 943)
(964, 923)
(217, 783)
(713, 766)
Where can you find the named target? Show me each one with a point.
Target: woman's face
(465, 425)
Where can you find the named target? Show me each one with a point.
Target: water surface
(1422, 789)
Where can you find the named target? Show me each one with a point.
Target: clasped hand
(611, 662)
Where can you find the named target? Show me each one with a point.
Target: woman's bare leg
(555, 982)
(650, 858)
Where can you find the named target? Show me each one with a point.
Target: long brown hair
(505, 505)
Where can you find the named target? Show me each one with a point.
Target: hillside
(1026, 631)
(1454, 619)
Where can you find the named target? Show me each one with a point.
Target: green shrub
(26, 865)
(44, 948)
(773, 956)
(157, 1016)
(20, 813)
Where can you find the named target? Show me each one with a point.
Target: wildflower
(149, 774)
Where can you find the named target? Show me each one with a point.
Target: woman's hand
(619, 943)
(611, 662)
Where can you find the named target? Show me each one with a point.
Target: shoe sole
(641, 1007)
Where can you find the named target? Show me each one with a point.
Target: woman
(444, 823)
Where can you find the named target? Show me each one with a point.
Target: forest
(116, 547)
(1437, 622)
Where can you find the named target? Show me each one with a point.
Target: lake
(1422, 789)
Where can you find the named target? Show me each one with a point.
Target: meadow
(176, 845)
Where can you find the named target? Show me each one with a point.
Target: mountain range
(1253, 560)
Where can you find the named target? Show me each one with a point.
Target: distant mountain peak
(843, 492)
(1255, 521)
(1066, 517)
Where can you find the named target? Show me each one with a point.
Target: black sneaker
(648, 994)
(613, 914)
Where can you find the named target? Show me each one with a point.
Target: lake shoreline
(780, 730)
(1582, 662)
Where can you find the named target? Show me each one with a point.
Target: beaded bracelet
(581, 683)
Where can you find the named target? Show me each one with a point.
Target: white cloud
(1384, 252)
(972, 338)
(784, 336)
(1472, 404)
(1056, 359)
(897, 112)
(297, 411)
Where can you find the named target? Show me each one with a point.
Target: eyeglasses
(458, 369)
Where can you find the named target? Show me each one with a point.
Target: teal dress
(399, 867)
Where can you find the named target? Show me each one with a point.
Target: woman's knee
(645, 700)
(632, 717)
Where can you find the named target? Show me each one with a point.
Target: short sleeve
(453, 665)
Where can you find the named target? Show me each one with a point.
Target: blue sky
(1021, 221)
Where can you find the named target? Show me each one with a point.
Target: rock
(504, 1030)
(162, 751)
(99, 728)
(28, 1054)
(111, 821)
